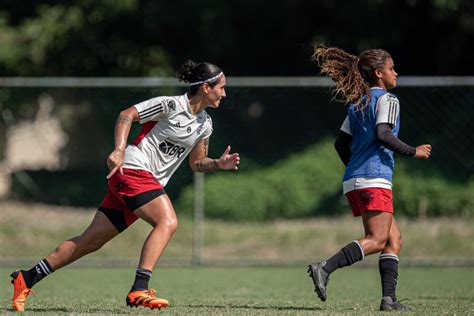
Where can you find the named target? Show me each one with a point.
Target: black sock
(388, 268)
(142, 277)
(348, 255)
(37, 273)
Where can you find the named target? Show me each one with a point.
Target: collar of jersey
(188, 105)
(373, 88)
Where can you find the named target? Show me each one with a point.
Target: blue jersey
(369, 158)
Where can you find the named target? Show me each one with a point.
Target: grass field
(246, 291)
(250, 268)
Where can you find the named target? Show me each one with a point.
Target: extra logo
(120, 185)
(199, 129)
(367, 197)
(168, 148)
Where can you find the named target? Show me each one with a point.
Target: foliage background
(143, 38)
(287, 145)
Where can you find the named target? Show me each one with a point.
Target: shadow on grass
(39, 310)
(234, 306)
(71, 310)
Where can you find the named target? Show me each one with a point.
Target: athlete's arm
(390, 141)
(199, 162)
(387, 116)
(384, 134)
(343, 146)
(122, 130)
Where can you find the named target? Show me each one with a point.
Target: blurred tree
(78, 38)
(144, 37)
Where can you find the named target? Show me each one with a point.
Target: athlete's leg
(160, 214)
(388, 268)
(383, 235)
(394, 242)
(99, 232)
(377, 226)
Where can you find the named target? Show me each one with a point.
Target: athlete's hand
(115, 162)
(423, 151)
(228, 161)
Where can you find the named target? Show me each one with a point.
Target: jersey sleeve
(346, 126)
(155, 109)
(388, 109)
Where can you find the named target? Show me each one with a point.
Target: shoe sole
(136, 306)
(133, 305)
(313, 274)
(388, 308)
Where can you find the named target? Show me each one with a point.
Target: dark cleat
(387, 304)
(320, 279)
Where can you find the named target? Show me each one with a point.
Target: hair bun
(186, 70)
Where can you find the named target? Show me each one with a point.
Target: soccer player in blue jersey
(366, 142)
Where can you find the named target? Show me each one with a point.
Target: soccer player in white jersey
(173, 128)
(365, 144)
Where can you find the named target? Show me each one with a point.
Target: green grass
(246, 291)
(28, 232)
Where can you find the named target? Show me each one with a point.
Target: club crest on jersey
(202, 117)
(171, 105)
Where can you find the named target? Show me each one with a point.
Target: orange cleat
(146, 298)
(20, 291)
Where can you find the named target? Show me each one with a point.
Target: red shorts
(370, 199)
(126, 192)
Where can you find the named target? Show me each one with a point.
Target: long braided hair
(352, 75)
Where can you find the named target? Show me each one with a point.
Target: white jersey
(169, 133)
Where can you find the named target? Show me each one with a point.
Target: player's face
(388, 75)
(216, 93)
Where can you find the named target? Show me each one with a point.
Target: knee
(378, 243)
(168, 224)
(171, 224)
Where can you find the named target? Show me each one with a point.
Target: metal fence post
(198, 218)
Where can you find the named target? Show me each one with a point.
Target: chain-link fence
(57, 132)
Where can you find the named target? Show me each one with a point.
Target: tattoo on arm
(207, 165)
(124, 120)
